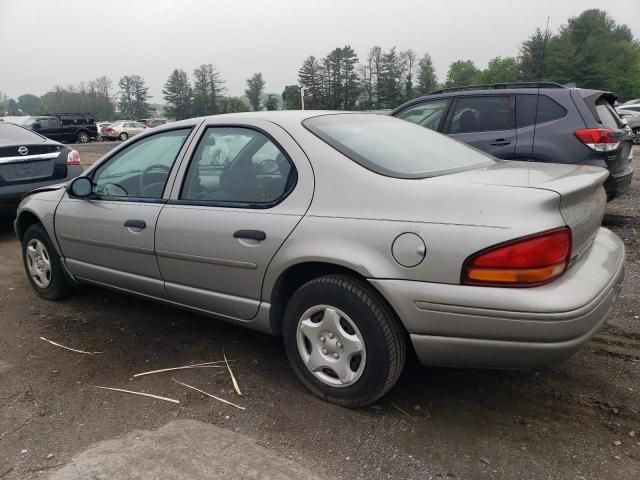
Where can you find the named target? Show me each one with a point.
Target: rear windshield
(10, 133)
(607, 114)
(394, 147)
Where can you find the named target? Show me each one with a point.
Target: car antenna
(540, 75)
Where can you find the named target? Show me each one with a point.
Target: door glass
(236, 165)
(55, 123)
(481, 114)
(426, 114)
(140, 170)
(547, 110)
(608, 116)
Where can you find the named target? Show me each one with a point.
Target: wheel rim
(38, 263)
(83, 138)
(331, 346)
(636, 136)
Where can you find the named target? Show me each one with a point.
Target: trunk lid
(40, 162)
(582, 198)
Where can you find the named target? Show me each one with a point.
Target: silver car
(354, 236)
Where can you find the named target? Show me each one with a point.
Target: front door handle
(139, 224)
(258, 235)
(501, 142)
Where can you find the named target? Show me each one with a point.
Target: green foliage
(177, 93)
(255, 87)
(271, 103)
(233, 105)
(530, 58)
(500, 70)
(291, 98)
(594, 52)
(310, 76)
(12, 107)
(208, 88)
(29, 104)
(134, 96)
(427, 80)
(462, 72)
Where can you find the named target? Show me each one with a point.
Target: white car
(122, 130)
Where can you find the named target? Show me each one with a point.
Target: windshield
(11, 134)
(393, 147)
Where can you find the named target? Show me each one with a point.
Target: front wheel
(343, 341)
(43, 265)
(123, 136)
(83, 137)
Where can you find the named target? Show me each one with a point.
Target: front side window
(141, 170)
(537, 109)
(237, 165)
(395, 148)
(481, 114)
(426, 114)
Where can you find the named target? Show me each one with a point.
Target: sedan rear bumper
(458, 325)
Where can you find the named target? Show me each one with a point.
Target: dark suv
(542, 122)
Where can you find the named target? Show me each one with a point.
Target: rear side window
(391, 147)
(547, 108)
(607, 115)
(10, 133)
(426, 114)
(481, 114)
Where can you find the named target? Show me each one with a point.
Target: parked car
(152, 122)
(634, 101)
(122, 130)
(352, 235)
(63, 127)
(543, 122)
(28, 161)
(100, 126)
(634, 107)
(633, 121)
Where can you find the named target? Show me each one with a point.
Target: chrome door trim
(200, 259)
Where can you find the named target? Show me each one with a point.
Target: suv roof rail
(65, 114)
(496, 86)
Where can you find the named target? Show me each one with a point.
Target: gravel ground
(572, 420)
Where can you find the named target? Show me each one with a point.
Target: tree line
(591, 50)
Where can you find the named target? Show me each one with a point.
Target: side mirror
(80, 187)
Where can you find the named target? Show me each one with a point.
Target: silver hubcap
(39, 263)
(331, 346)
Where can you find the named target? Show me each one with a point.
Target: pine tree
(255, 87)
(177, 93)
(208, 88)
(427, 80)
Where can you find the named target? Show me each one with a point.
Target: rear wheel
(636, 136)
(43, 265)
(83, 137)
(343, 341)
(123, 136)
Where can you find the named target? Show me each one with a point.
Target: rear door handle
(139, 224)
(501, 142)
(258, 235)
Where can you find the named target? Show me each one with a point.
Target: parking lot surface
(579, 419)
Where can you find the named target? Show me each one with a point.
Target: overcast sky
(45, 42)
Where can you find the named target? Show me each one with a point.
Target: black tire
(123, 136)
(383, 337)
(59, 286)
(83, 137)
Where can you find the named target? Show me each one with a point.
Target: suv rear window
(548, 110)
(607, 114)
(394, 147)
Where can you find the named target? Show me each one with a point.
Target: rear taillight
(598, 139)
(524, 262)
(109, 130)
(73, 158)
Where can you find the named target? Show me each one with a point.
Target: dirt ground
(579, 419)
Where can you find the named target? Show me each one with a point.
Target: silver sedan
(354, 236)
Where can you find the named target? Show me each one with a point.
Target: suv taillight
(598, 139)
(524, 262)
(73, 158)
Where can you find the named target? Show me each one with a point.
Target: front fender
(40, 205)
